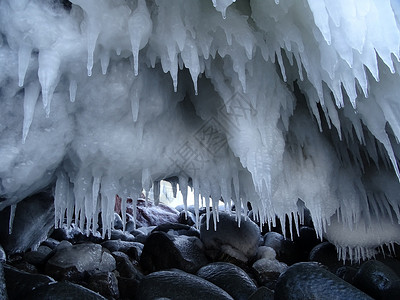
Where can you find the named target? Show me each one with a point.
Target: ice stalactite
(31, 92)
(284, 104)
(140, 27)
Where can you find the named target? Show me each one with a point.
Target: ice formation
(285, 104)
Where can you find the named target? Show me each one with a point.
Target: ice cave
(285, 104)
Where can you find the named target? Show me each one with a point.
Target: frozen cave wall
(286, 104)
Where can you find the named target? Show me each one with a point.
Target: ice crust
(264, 101)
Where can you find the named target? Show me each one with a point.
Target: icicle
(196, 201)
(222, 5)
(73, 86)
(183, 185)
(104, 210)
(32, 91)
(190, 57)
(93, 34)
(281, 65)
(49, 75)
(24, 56)
(104, 61)
(13, 209)
(207, 199)
(70, 204)
(60, 198)
(123, 212)
(140, 28)
(146, 181)
(291, 216)
(174, 188)
(214, 212)
(156, 192)
(95, 203)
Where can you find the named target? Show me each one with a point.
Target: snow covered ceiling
(261, 101)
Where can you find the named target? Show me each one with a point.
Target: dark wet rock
(305, 242)
(125, 266)
(177, 229)
(74, 235)
(267, 271)
(38, 257)
(263, 293)
(132, 249)
(3, 288)
(148, 214)
(63, 291)
(391, 262)
(66, 234)
(378, 280)
(347, 273)
(20, 284)
(309, 280)
(34, 219)
(63, 244)
(187, 218)
(230, 278)
(326, 254)
(141, 238)
(131, 228)
(71, 263)
(162, 251)
(178, 285)
(105, 284)
(51, 243)
(3, 255)
(285, 249)
(238, 242)
(118, 222)
(128, 288)
(123, 236)
(23, 265)
(142, 233)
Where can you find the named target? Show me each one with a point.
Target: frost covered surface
(261, 101)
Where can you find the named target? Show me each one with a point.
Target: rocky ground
(167, 257)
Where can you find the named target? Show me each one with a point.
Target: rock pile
(174, 260)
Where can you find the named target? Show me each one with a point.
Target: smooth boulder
(63, 291)
(162, 251)
(284, 248)
(70, 262)
(240, 243)
(179, 285)
(230, 278)
(132, 249)
(309, 280)
(20, 284)
(378, 280)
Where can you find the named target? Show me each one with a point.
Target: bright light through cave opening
(261, 101)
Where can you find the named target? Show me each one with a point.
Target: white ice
(261, 101)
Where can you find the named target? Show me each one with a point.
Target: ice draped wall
(285, 104)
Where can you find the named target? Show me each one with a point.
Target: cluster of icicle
(276, 101)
